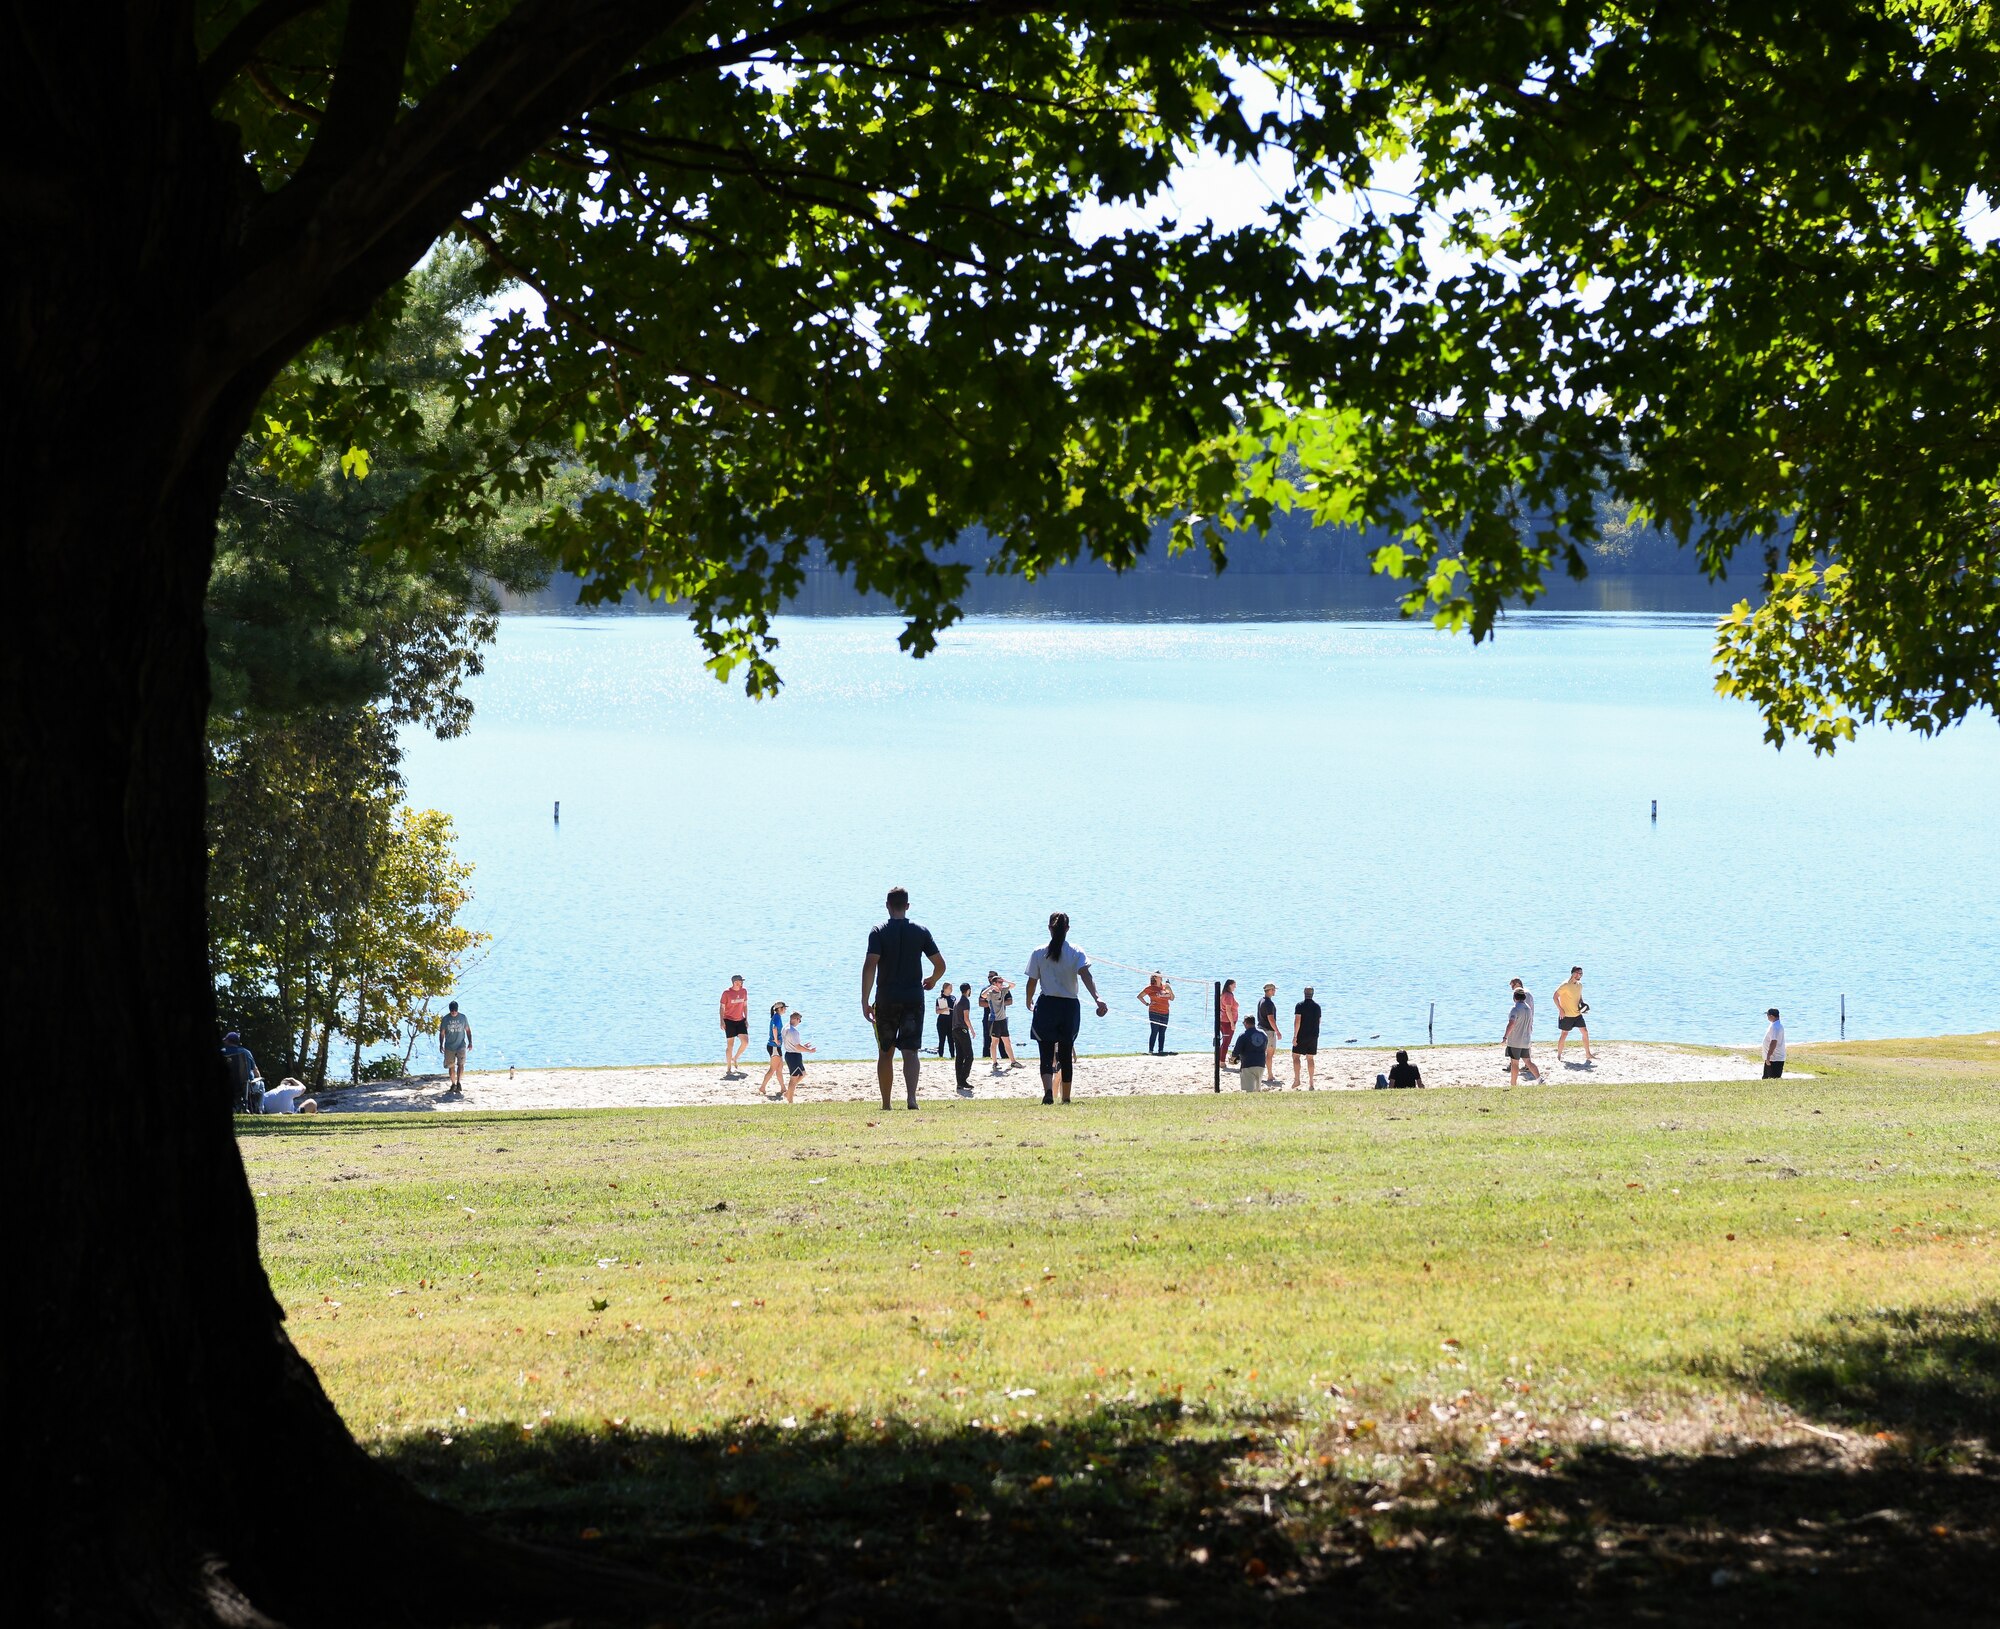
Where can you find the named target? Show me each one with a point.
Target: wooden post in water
(1656, 811)
(558, 811)
(1216, 1047)
(1843, 1015)
(1431, 1029)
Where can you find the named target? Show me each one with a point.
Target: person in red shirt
(735, 1027)
(1225, 1017)
(1159, 998)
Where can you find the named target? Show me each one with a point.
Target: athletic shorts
(1567, 1024)
(732, 1027)
(770, 1048)
(1000, 1029)
(1305, 1049)
(796, 1063)
(900, 1025)
(1518, 1051)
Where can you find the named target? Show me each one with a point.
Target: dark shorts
(1306, 1047)
(1518, 1051)
(1000, 1028)
(770, 1047)
(1775, 1071)
(899, 1025)
(796, 1063)
(732, 1027)
(1567, 1024)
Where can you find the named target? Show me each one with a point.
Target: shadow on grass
(1160, 1515)
(1930, 1372)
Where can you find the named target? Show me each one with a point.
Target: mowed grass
(1425, 1322)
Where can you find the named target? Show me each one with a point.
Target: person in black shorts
(894, 993)
(1267, 1021)
(943, 1011)
(1305, 1040)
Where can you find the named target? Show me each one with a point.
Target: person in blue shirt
(244, 1074)
(1252, 1047)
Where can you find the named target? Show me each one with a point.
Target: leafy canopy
(830, 272)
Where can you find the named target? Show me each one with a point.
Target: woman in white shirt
(1056, 969)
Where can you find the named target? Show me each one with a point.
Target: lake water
(1380, 810)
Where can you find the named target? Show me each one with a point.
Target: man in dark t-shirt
(1403, 1073)
(1305, 1040)
(894, 993)
(1267, 1021)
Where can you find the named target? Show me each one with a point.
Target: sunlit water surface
(1386, 812)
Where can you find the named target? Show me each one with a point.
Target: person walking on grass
(1226, 1013)
(1251, 1054)
(795, 1055)
(454, 1040)
(735, 1011)
(774, 1052)
(1305, 1040)
(893, 988)
(1514, 988)
(1159, 999)
(1056, 969)
(1774, 1046)
(1267, 1021)
(942, 1007)
(996, 998)
(961, 1039)
(1570, 1008)
(1519, 1038)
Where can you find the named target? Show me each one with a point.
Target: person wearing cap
(243, 1072)
(995, 999)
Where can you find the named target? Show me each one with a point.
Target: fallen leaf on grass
(598, 1306)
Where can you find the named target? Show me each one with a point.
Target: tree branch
(240, 44)
(367, 88)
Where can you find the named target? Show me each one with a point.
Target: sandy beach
(1619, 1063)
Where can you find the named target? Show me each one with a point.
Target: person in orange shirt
(735, 1026)
(1159, 999)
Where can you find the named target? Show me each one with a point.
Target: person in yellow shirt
(1570, 1008)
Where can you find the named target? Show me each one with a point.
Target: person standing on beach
(1267, 1021)
(1570, 1008)
(1519, 1038)
(1250, 1054)
(1226, 1012)
(454, 1040)
(893, 988)
(1514, 988)
(795, 1055)
(735, 1011)
(1159, 999)
(1774, 1047)
(1056, 969)
(1305, 1040)
(774, 1051)
(943, 1009)
(961, 1039)
(996, 998)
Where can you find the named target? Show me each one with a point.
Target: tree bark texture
(175, 1456)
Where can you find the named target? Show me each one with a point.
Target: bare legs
(885, 1073)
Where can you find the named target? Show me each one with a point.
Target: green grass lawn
(1196, 1359)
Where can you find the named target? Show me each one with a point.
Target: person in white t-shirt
(795, 1054)
(1520, 1037)
(288, 1097)
(1774, 1046)
(996, 998)
(1056, 969)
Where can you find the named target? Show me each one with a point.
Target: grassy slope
(1424, 1302)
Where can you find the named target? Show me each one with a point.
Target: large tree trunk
(179, 1461)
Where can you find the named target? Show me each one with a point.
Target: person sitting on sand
(1519, 1038)
(289, 1097)
(795, 1055)
(1404, 1073)
(1252, 1048)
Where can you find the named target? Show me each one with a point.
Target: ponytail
(1058, 933)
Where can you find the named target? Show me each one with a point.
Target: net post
(1215, 1040)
